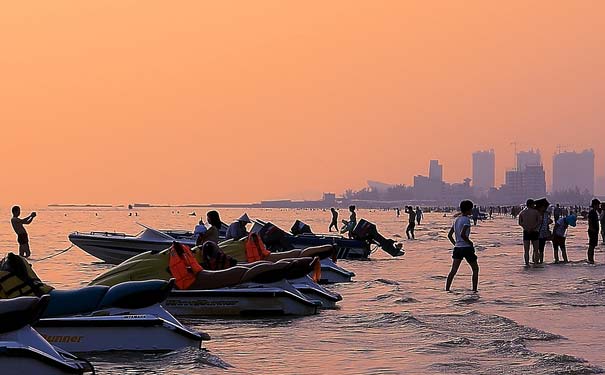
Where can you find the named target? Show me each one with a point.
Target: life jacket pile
(216, 259)
(255, 248)
(183, 265)
(17, 278)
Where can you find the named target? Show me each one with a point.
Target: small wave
(386, 281)
(404, 300)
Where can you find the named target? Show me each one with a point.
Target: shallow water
(395, 317)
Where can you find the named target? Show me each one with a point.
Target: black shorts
(593, 238)
(467, 253)
(531, 236)
(22, 239)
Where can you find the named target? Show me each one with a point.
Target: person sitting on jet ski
(213, 258)
(237, 229)
(211, 233)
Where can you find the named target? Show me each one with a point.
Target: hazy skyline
(199, 102)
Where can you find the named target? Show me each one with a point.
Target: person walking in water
(463, 246)
(409, 231)
(593, 229)
(559, 235)
(530, 220)
(475, 213)
(18, 226)
(334, 222)
(418, 215)
(557, 212)
(350, 225)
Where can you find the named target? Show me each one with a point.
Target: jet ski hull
(239, 301)
(151, 329)
(331, 273)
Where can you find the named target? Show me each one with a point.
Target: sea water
(395, 317)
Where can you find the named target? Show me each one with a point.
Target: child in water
(463, 246)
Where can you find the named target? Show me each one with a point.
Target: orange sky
(199, 101)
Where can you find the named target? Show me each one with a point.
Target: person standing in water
(560, 234)
(545, 233)
(409, 231)
(593, 229)
(463, 246)
(530, 220)
(334, 222)
(475, 213)
(418, 215)
(18, 226)
(602, 220)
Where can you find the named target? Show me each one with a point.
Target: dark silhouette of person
(334, 222)
(593, 229)
(418, 215)
(18, 226)
(409, 231)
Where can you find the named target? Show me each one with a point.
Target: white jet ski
(127, 316)
(23, 351)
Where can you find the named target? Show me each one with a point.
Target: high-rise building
(484, 171)
(528, 158)
(520, 185)
(573, 170)
(435, 171)
(600, 186)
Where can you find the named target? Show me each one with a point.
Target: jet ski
(115, 248)
(125, 317)
(23, 351)
(257, 288)
(364, 234)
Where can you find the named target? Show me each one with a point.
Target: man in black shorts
(18, 226)
(463, 246)
(593, 229)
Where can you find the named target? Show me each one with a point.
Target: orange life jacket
(317, 271)
(255, 249)
(183, 265)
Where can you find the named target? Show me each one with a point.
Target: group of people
(535, 221)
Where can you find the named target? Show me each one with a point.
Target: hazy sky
(215, 101)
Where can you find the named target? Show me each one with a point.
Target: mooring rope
(54, 255)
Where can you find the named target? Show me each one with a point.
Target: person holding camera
(18, 226)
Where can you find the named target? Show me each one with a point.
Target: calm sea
(395, 317)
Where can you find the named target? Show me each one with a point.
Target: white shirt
(458, 226)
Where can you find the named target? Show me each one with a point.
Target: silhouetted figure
(18, 226)
(545, 233)
(334, 222)
(409, 231)
(560, 234)
(593, 229)
(237, 229)
(398, 211)
(475, 213)
(557, 212)
(463, 246)
(211, 234)
(602, 221)
(530, 220)
(418, 215)
(348, 226)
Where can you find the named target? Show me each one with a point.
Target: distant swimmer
(409, 231)
(334, 222)
(463, 246)
(18, 226)
(593, 229)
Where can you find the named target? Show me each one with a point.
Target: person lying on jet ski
(237, 229)
(214, 259)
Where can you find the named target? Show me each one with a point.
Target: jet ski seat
(301, 267)
(73, 302)
(137, 294)
(16, 313)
